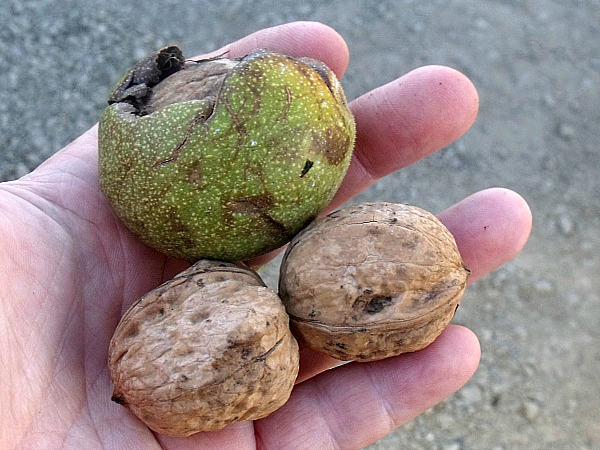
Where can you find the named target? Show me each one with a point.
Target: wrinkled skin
(70, 269)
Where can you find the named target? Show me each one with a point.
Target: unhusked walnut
(372, 281)
(209, 347)
(223, 158)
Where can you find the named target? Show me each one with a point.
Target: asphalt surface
(536, 66)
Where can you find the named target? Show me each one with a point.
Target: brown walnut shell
(372, 281)
(209, 347)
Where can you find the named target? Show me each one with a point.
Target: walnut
(223, 158)
(372, 281)
(209, 347)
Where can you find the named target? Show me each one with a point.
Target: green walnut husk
(222, 158)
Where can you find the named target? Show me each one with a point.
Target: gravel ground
(536, 65)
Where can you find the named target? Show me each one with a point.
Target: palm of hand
(70, 269)
(80, 268)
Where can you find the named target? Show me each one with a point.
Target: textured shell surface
(207, 348)
(372, 281)
(252, 154)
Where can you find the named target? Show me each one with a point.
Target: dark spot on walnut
(131, 331)
(198, 317)
(118, 399)
(436, 290)
(409, 243)
(307, 166)
(378, 304)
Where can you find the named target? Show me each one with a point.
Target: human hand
(70, 269)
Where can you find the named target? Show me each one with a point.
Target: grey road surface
(536, 65)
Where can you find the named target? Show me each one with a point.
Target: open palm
(69, 269)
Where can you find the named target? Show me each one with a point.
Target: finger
(403, 121)
(357, 404)
(313, 363)
(238, 435)
(490, 227)
(310, 39)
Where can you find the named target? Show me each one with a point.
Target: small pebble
(520, 331)
(486, 334)
(410, 426)
(471, 394)
(453, 446)
(548, 99)
(543, 286)
(572, 298)
(565, 131)
(530, 410)
(482, 24)
(21, 170)
(566, 225)
(445, 420)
